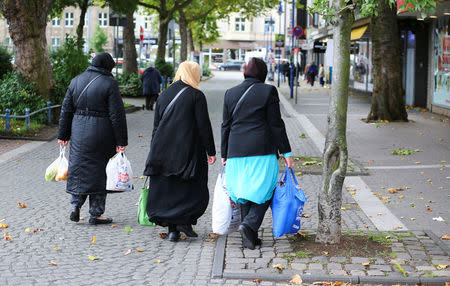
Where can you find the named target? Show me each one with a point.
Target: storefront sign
(279, 40)
(441, 92)
(306, 44)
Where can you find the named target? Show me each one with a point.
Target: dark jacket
(313, 70)
(151, 81)
(257, 127)
(95, 124)
(181, 138)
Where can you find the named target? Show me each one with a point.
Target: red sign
(297, 31)
(141, 34)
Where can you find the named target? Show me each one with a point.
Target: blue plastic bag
(287, 205)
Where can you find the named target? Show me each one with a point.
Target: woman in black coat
(177, 162)
(93, 118)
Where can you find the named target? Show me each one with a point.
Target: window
(68, 19)
(269, 25)
(103, 19)
(146, 23)
(56, 42)
(316, 20)
(86, 20)
(56, 22)
(239, 24)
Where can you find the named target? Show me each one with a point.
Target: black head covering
(256, 68)
(103, 60)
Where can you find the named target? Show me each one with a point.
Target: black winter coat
(95, 124)
(182, 138)
(257, 127)
(151, 81)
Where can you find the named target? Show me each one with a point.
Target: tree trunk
(190, 40)
(129, 46)
(27, 22)
(335, 152)
(83, 6)
(184, 36)
(387, 97)
(162, 36)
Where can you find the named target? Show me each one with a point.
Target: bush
(17, 94)
(166, 69)
(206, 72)
(5, 61)
(130, 84)
(67, 63)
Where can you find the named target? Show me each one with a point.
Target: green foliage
(166, 69)
(303, 254)
(404, 152)
(206, 72)
(130, 84)
(17, 94)
(5, 61)
(17, 127)
(67, 63)
(99, 39)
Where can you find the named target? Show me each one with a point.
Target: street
(58, 251)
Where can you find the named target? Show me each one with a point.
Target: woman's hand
(289, 161)
(120, 149)
(211, 160)
(62, 143)
(224, 161)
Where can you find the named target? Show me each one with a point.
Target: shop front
(361, 60)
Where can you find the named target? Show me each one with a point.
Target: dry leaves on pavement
(92, 258)
(296, 279)
(128, 252)
(163, 235)
(3, 226)
(256, 280)
(22, 205)
(7, 237)
(278, 266)
(445, 237)
(53, 263)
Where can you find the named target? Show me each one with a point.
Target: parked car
(231, 65)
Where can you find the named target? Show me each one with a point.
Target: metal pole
(27, 118)
(7, 120)
(49, 110)
(280, 11)
(292, 49)
(116, 36)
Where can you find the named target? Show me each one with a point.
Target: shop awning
(357, 33)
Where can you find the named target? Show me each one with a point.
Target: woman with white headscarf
(182, 147)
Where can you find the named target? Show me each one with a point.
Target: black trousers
(252, 215)
(96, 203)
(150, 99)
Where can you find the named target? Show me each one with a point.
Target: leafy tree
(5, 61)
(99, 39)
(341, 15)
(27, 22)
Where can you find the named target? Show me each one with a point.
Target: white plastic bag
(226, 215)
(119, 173)
(58, 169)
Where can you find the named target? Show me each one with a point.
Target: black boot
(174, 236)
(187, 229)
(248, 240)
(75, 215)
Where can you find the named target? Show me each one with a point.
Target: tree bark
(190, 41)
(162, 37)
(183, 35)
(129, 46)
(83, 7)
(335, 152)
(27, 22)
(387, 97)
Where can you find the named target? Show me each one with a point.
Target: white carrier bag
(119, 173)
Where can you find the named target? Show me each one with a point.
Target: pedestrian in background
(253, 134)
(306, 72)
(93, 118)
(321, 75)
(312, 72)
(151, 85)
(177, 162)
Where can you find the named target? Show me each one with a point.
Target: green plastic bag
(142, 208)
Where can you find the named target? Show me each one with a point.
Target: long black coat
(257, 127)
(95, 124)
(151, 81)
(177, 162)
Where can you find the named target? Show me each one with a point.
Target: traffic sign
(297, 31)
(141, 34)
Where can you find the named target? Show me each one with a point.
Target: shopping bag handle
(285, 174)
(145, 182)
(62, 150)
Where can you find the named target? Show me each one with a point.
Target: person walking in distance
(321, 75)
(93, 119)
(253, 134)
(151, 84)
(181, 148)
(312, 72)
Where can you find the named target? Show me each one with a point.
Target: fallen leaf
(158, 261)
(430, 201)
(429, 181)
(392, 191)
(379, 213)
(135, 177)
(422, 173)
(53, 263)
(28, 229)
(397, 227)
(343, 208)
(209, 240)
(302, 233)
(352, 193)
(306, 215)
(413, 218)
(163, 235)
(182, 238)
(36, 229)
(412, 205)
(3, 226)
(140, 250)
(337, 283)
(438, 218)
(385, 197)
(92, 258)
(278, 266)
(421, 133)
(445, 237)
(128, 229)
(321, 283)
(365, 263)
(214, 235)
(128, 252)
(377, 195)
(7, 237)
(403, 159)
(114, 225)
(366, 226)
(401, 196)
(93, 239)
(22, 205)
(417, 162)
(442, 266)
(429, 210)
(443, 161)
(296, 279)
(441, 188)
(256, 280)
(140, 135)
(325, 252)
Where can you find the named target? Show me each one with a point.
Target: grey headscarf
(103, 60)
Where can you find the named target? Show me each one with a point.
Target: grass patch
(303, 254)
(127, 105)
(18, 127)
(288, 257)
(404, 152)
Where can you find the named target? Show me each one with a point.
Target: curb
(131, 109)
(50, 138)
(219, 259)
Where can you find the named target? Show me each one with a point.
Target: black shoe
(75, 215)
(258, 241)
(94, 220)
(174, 236)
(151, 107)
(247, 237)
(187, 229)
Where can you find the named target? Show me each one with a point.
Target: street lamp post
(291, 78)
(280, 11)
